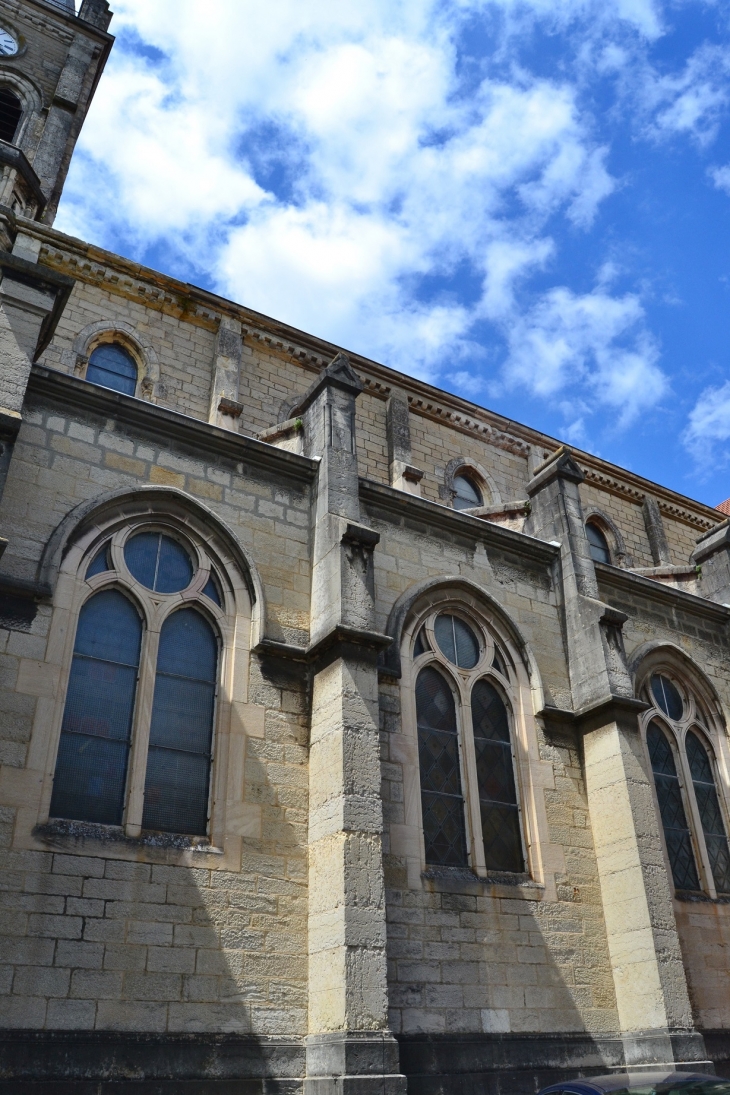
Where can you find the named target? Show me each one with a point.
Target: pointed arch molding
(452, 586)
(654, 655)
(155, 502)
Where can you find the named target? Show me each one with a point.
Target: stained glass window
(667, 696)
(421, 646)
(438, 754)
(598, 543)
(499, 663)
(213, 589)
(91, 768)
(100, 564)
(181, 731)
(112, 367)
(466, 494)
(457, 641)
(158, 562)
(708, 805)
(671, 808)
(496, 779)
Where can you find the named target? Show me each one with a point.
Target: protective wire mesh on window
(671, 808)
(438, 754)
(667, 697)
(496, 779)
(91, 768)
(112, 367)
(598, 543)
(457, 641)
(708, 805)
(10, 112)
(100, 564)
(158, 562)
(178, 763)
(466, 495)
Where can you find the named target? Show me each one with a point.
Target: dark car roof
(617, 1081)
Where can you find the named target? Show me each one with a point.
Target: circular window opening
(600, 552)
(158, 562)
(112, 367)
(667, 696)
(466, 495)
(457, 641)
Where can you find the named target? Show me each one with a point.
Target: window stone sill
(65, 834)
(460, 880)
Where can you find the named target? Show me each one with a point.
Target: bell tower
(51, 58)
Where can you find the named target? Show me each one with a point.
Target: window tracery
(137, 734)
(471, 815)
(688, 793)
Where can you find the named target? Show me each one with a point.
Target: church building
(354, 739)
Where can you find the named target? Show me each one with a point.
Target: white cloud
(591, 345)
(391, 181)
(708, 427)
(721, 177)
(693, 101)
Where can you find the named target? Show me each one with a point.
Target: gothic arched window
(111, 366)
(11, 111)
(600, 551)
(690, 804)
(469, 795)
(466, 493)
(137, 735)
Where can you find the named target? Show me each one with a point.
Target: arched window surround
(479, 476)
(128, 337)
(522, 693)
(231, 623)
(612, 533)
(702, 715)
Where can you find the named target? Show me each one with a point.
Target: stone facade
(311, 939)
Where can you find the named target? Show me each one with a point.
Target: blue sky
(526, 202)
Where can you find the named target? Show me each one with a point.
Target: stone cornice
(73, 394)
(398, 506)
(159, 292)
(629, 581)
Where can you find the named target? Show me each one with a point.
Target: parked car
(643, 1083)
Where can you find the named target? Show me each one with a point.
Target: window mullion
(141, 733)
(471, 790)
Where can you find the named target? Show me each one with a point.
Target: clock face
(8, 45)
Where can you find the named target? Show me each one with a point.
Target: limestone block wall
(626, 515)
(436, 444)
(473, 956)
(703, 924)
(185, 350)
(116, 936)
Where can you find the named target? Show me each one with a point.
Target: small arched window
(158, 683)
(442, 800)
(671, 808)
(91, 770)
(466, 493)
(600, 551)
(708, 806)
(178, 762)
(111, 366)
(496, 777)
(11, 110)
